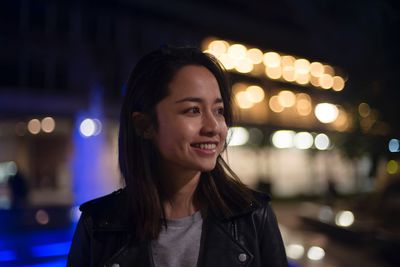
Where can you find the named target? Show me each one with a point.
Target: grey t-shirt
(179, 244)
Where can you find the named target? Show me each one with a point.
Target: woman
(182, 205)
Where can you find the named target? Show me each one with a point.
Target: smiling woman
(181, 205)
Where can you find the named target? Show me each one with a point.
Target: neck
(179, 193)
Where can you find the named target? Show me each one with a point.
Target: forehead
(193, 80)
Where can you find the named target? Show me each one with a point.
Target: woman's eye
(193, 110)
(220, 111)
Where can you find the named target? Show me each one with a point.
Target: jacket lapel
(219, 247)
(138, 255)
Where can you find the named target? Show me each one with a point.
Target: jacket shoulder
(261, 198)
(103, 202)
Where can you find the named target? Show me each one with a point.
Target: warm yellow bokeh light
(303, 104)
(238, 87)
(218, 47)
(48, 124)
(326, 81)
(341, 123)
(273, 73)
(316, 69)
(338, 83)
(392, 167)
(303, 107)
(314, 81)
(303, 78)
(272, 59)
(237, 51)
(326, 112)
(255, 55)
(243, 100)
(34, 126)
(286, 98)
(288, 73)
(302, 66)
(287, 61)
(227, 61)
(244, 65)
(274, 104)
(329, 70)
(255, 93)
(364, 110)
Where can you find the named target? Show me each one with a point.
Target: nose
(210, 124)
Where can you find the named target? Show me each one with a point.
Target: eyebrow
(197, 100)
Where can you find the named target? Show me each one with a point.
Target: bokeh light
(286, 98)
(34, 126)
(255, 55)
(90, 127)
(48, 124)
(272, 59)
(322, 141)
(316, 69)
(275, 105)
(237, 51)
(326, 112)
(243, 100)
(302, 66)
(255, 93)
(283, 138)
(315, 253)
(273, 72)
(237, 136)
(344, 218)
(394, 145)
(392, 167)
(303, 104)
(42, 217)
(364, 110)
(218, 47)
(244, 65)
(303, 140)
(338, 83)
(295, 251)
(326, 81)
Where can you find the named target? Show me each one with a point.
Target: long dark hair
(146, 86)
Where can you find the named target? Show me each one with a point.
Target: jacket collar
(109, 212)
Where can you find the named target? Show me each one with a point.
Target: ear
(142, 124)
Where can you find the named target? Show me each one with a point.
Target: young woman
(181, 205)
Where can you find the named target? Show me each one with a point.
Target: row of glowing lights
(88, 127)
(343, 218)
(35, 126)
(275, 66)
(238, 136)
(247, 97)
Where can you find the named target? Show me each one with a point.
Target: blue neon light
(55, 249)
(7, 255)
(57, 263)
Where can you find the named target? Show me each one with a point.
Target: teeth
(206, 146)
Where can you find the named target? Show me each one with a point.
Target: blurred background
(316, 100)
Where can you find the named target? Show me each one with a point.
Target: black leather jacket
(249, 238)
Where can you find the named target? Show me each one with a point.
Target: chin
(207, 168)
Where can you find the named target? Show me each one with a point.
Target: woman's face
(191, 127)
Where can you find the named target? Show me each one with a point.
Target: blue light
(394, 145)
(55, 249)
(57, 263)
(7, 255)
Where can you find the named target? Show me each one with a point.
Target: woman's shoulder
(106, 212)
(261, 197)
(105, 206)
